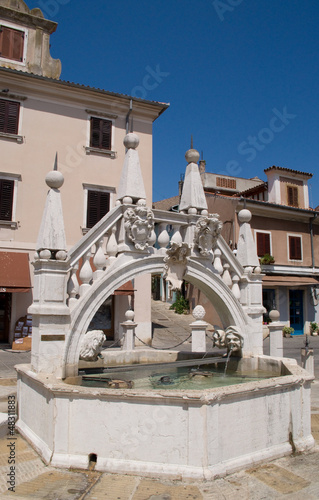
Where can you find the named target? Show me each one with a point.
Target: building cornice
(74, 93)
(28, 19)
(266, 209)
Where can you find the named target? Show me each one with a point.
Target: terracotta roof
(167, 204)
(252, 189)
(288, 170)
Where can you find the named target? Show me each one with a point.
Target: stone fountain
(188, 433)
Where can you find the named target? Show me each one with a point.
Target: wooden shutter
(9, 116)
(100, 133)
(292, 196)
(11, 43)
(97, 206)
(6, 199)
(263, 244)
(294, 247)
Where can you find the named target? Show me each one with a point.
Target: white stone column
(275, 335)
(199, 330)
(307, 359)
(129, 331)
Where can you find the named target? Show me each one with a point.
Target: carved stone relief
(139, 224)
(207, 231)
(175, 264)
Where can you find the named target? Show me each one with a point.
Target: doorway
(5, 316)
(296, 311)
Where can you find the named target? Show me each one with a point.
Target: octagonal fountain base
(178, 433)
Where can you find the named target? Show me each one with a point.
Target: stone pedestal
(307, 360)
(129, 331)
(275, 335)
(199, 330)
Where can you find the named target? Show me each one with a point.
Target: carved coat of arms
(139, 224)
(207, 230)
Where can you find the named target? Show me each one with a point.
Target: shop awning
(289, 281)
(14, 272)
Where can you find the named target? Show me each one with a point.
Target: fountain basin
(178, 433)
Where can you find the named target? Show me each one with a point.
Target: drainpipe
(311, 239)
(128, 117)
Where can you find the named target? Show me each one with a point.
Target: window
(292, 196)
(101, 133)
(294, 247)
(9, 116)
(6, 199)
(11, 43)
(263, 243)
(98, 204)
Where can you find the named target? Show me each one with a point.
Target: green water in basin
(171, 377)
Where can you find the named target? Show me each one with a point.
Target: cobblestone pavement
(295, 477)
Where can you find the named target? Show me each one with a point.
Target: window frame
(15, 178)
(256, 241)
(295, 191)
(7, 135)
(92, 187)
(25, 44)
(289, 235)
(92, 149)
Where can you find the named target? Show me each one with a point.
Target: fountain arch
(230, 310)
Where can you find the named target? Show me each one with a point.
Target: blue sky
(240, 75)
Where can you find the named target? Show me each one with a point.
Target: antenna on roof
(192, 141)
(202, 155)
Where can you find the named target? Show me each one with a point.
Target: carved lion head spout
(91, 345)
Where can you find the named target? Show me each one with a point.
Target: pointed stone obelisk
(51, 239)
(246, 250)
(131, 186)
(193, 198)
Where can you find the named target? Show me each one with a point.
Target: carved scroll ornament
(175, 264)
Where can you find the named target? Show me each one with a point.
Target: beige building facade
(286, 234)
(45, 121)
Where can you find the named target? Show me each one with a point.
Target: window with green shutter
(9, 116)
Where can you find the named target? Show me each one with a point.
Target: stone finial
(193, 197)
(199, 313)
(51, 236)
(246, 250)
(131, 186)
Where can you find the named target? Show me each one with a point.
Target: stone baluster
(226, 275)
(152, 240)
(177, 237)
(99, 259)
(235, 287)
(217, 261)
(86, 273)
(111, 246)
(129, 331)
(163, 237)
(73, 285)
